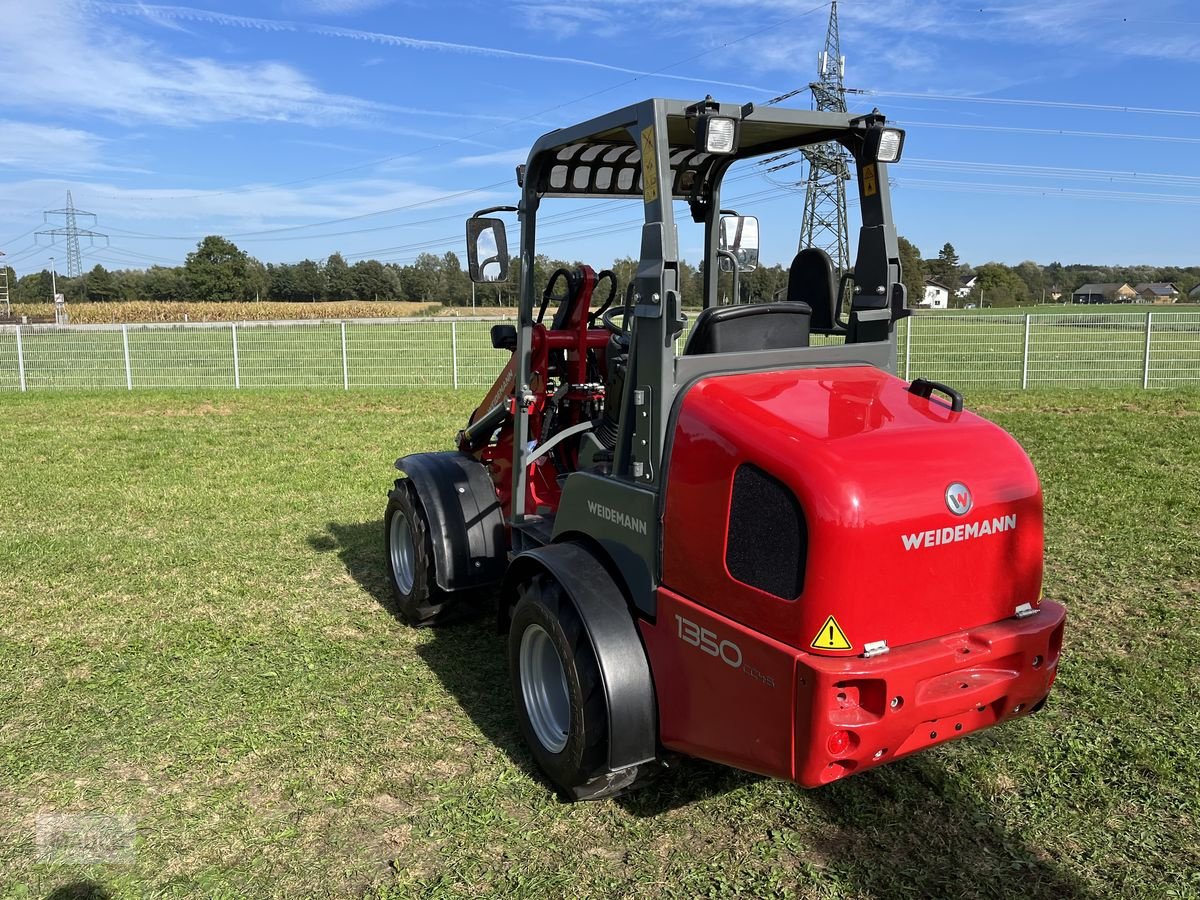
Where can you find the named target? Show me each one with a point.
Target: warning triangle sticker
(830, 637)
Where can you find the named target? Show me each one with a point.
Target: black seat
(754, 326)
(811, 280)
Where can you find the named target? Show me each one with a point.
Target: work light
(716, 134)
(891, 143)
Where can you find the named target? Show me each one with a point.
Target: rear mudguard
(624, 669)
(466, 524)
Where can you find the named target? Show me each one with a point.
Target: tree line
(1026, 283)
(218, 270)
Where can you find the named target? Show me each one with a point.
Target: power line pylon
(72, 232)
(825, 223)
(4, 286)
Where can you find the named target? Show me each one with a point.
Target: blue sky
(299, 128)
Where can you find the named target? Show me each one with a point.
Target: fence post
(125, 347)
(237, 375)
(1025, 357)
(20, 359)
(1146, 355)
(454, 351)
(345, 362)
(908, 326)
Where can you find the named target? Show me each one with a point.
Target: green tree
(218, 270)
(1035, 280)
(309, 280)
(165, 283)
(998, 285)
(455, 283)
(372, 280)
(281, 281)
(420, 280)
(947, 264)
(34, 288)
(912, 271)
(99, 285)
(337, 278)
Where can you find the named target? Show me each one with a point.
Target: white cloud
(564, 20)
(54, 55)
(48, 148)
(185, 13)
(342, 7)
(247, 208)
(513, 157)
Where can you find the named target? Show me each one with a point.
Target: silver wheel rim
(544, 687)
(402, 552)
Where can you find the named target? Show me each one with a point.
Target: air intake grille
(768, 538)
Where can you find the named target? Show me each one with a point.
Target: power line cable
(1041, 104)
(1013, 129)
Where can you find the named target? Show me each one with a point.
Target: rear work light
(891, 144)
(718, 134)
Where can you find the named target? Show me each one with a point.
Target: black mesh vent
(768, 538)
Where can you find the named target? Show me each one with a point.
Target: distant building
(937, 295)
(1194, 294)
(1104, 293)
(1156, 292)
(966, 284)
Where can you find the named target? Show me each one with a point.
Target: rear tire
(558, 691)
(409, 555)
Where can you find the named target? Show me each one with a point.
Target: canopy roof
(601, 158)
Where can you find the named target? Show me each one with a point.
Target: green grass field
(196, 632)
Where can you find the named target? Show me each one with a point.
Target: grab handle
(923, 387)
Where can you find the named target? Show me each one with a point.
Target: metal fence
(1125, 349)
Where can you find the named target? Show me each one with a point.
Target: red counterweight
(775, 649)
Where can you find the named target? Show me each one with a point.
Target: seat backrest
(811, 280)
(753, 326)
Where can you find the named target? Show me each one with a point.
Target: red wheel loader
(749, 547)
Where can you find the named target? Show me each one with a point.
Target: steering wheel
(612, 293)
(548, 294)
(608, 316)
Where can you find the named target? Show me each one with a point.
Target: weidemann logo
(615, 515)
(965, 532)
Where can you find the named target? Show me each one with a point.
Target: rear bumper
(854, 713)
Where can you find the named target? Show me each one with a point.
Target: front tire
(558, 691)
(409, 554)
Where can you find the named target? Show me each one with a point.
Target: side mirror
(739, 237)
(487, 250)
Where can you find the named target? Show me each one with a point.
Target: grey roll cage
(648, 150)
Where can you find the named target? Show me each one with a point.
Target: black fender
(624, 667)
(466, 523)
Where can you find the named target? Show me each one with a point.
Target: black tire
(575, 757)
(409, 555)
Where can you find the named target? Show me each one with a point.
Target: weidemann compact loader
(774, 555)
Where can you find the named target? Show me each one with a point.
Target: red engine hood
(871, 466)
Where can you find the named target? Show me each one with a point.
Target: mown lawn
(196, 633)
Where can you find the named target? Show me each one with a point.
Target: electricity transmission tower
(4, 286)
(825, 224)
(72, 232)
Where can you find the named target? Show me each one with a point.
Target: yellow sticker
(870, 187)
(649, 165)
(830, 637)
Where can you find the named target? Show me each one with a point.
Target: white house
(966, 284)
(937, 295)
